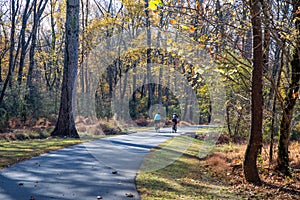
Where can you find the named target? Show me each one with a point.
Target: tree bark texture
(255, 138)
(65, 125)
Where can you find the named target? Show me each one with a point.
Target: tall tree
(65, 125)
(23, 43)
(14, 10)
(3, 43)
(148, 53)
(290, 100)
(38, 10)
(255, 138)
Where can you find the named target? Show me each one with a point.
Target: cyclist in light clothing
(157, 119)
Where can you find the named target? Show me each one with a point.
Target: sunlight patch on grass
(185, 178)
(16, 151)
(165, 154)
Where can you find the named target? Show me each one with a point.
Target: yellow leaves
(203, 38)
(154, 4)
(198, 5)
(190, 47)
(169, 41)
(184, 27)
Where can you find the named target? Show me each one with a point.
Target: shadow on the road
(71, 173)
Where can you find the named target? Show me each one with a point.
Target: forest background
(227, 33)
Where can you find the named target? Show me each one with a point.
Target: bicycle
(157, 125)
(157, 119)
(174, 127)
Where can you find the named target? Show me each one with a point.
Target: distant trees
(18, 94)
(33, 39)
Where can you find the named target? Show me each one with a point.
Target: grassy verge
(186, 178)
(15, 151)
(218, 175)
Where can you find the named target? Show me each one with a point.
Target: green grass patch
(210, 130)
(12, 152)
(188, 177)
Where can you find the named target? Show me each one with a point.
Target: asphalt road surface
(104, 168)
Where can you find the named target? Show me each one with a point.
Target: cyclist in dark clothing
(175, 122)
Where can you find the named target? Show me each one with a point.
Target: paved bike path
(103, 168)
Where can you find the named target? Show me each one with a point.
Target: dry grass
(218, 160)
(227, 161)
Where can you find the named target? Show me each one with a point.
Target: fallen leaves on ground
(227, 166)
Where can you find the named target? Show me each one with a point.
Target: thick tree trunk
(65, 125)
(255, 138)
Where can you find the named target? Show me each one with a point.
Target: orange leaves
(295, 95)
(172, 21)
(183, 26)
(192, 29)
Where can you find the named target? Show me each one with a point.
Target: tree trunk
(84, 23)
(38, 11)
(65, 125)
(276, 72)
(148, 54)
(24, 44)
(14, 11)
(290, 101)
(255, 138)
